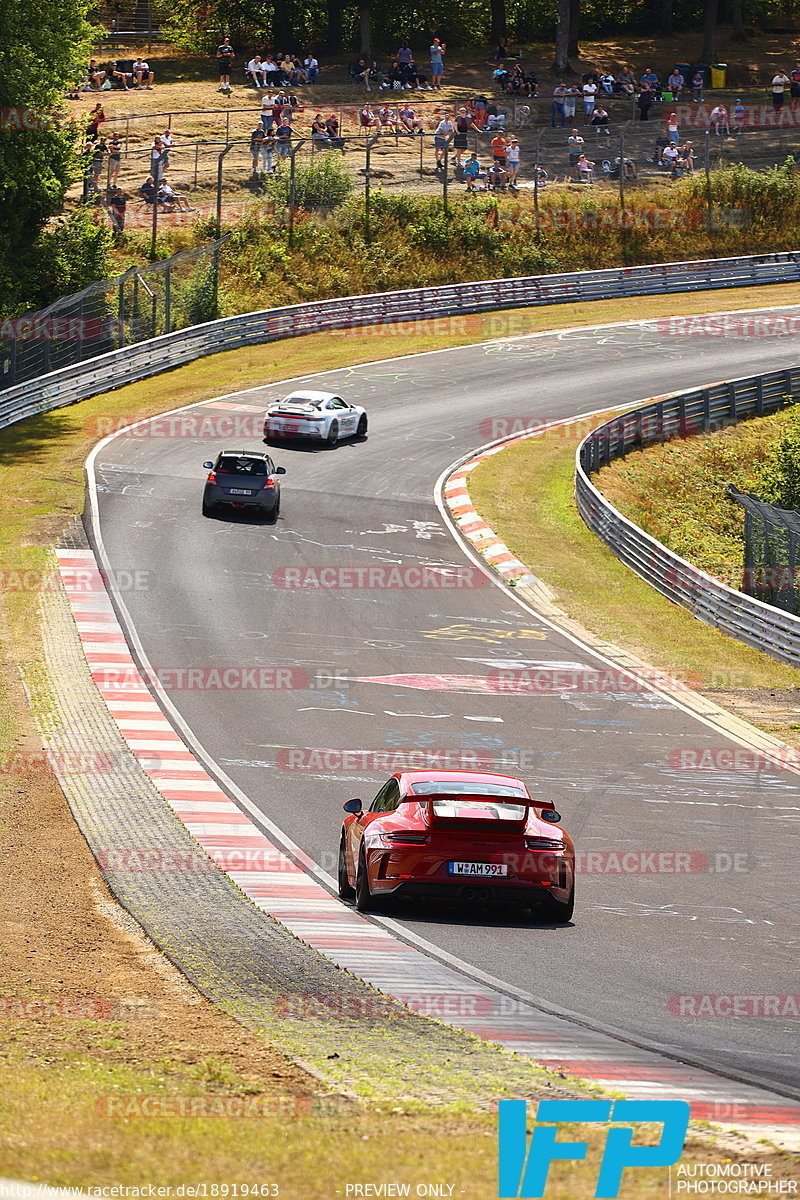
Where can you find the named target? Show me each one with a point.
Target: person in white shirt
(166, 142)
(669, 155)
(311, 67)
(589, 96)
(255, 69)
(267, 114)
(719, 120)
(779, 83)
(141, 71)
(272, 72)
(441, 136)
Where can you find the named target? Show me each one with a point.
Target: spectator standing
(114, 159)
(719, 120)
(257, 136)
(96, 118)
(166, 142)
(794, 85)
(99, 155)
(575, 147)
(463, 123)
(589, 97)
(116, 208)
(737, 119)
(283, 139)
(512, 162)
(779, 85)
(438, 50)
(557, 108)
(157, 158)
(225, 56)
(442, 134)
(499, 149)
(404, 55)
(644, 101)
(570, 100)
(673, 132)
(267, 118)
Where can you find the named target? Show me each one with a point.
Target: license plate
(239, 492)
(473, 868)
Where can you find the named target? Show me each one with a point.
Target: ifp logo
(523, 1168)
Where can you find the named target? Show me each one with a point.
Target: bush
(778, 480)
(325, 183)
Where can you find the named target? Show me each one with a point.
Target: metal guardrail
(139, 361)
(769, 629)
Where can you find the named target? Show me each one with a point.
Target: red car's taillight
(411, 839)
(534, 843)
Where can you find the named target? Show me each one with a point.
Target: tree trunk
(561, 60)
(574, 22)
(365, 17)
(283, 25)
(737, 21)
(709, 51)
(666, 24)
(333, 41)
(499, 21)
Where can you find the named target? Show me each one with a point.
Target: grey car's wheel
(361, 432)
(274, 514)
(207, 509)
(365, 901)
(346, 891)
(333, 433)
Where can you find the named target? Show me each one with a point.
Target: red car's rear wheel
(345, 887)
(365, 901)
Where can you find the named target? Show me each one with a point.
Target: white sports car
(320, 415)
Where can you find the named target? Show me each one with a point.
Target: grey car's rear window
(242, 466)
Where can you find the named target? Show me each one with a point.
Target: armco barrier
(770, 629)
(143, 359)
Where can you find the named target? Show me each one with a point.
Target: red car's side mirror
(353, 806)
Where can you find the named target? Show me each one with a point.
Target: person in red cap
(437, 63)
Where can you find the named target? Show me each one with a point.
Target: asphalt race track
(608, 761)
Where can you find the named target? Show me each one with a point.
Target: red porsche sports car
(459, 835)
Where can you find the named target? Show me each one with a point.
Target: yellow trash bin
(718, 75)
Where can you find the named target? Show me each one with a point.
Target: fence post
(446, 172)
(227, 126)
(219, 188)
(156, 179)
(12, 362)
(292, 155)
(367, 186)
(168, 297)
(537, 157)
(121, 311)
(622, 169)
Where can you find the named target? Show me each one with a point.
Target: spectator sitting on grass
(142, 73)
(122, 76)
(95, 75)
(698, 85)
(687, 157)
(500, 77)
(662, 141)
(585, 169)
(332, 126)
(625, 82)
(148, 190)
(319, 131)
(669, 156)
(362, 72)
(311, 67)
(650, 78)
(256, 71)
(473, 172)
(600, 120)
(272, 72)
(497, 177)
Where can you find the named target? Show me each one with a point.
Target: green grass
(677, 491)
(526, 495)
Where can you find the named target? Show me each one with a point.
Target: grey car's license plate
(239, 492)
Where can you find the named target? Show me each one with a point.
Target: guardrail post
(732, 400)
(121, 311)
(706, 395)
(168, 298)
(760, 396)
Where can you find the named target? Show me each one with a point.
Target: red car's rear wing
(488, 820)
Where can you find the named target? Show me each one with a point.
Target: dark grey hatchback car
(243, 479)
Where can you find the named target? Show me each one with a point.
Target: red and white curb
(281, 886)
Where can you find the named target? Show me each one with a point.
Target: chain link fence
(143, 303)
(771, 552)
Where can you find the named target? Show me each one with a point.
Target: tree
(499, 21)
(574, 21)
(709, 51)
(38, 160)
(561, 61)
(365, 25)
(666, 21)
(333, 41)
(737, 21)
